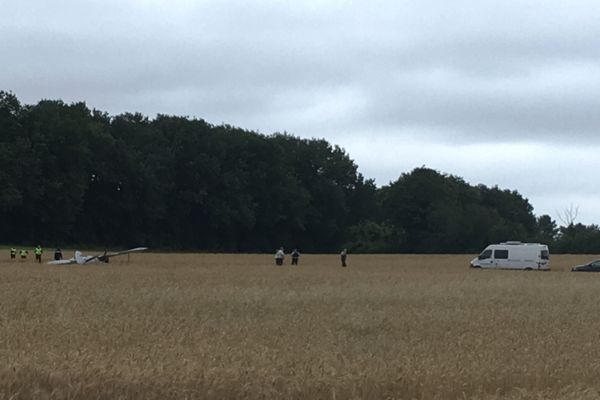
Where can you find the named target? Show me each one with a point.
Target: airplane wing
(63, 262)
(120, 253)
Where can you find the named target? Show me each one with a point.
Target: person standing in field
(343, 256)
(295, 257)
(13, 253)
(57, 254)
(279, 256)
(23, 254)
(38, 253)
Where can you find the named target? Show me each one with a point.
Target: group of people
(280, 256)
(38, 251)
(295, 254)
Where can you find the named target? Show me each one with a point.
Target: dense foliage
(71, 175)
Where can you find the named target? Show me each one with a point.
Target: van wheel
(528, 269)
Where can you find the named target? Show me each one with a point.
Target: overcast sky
(498, 92)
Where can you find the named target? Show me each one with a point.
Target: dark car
(593, 266)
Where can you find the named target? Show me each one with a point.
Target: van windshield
(485, 254)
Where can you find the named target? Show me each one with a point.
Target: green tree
(578, 239)
(74, 175)
(546, 229)
(442, 213)
(373, 237)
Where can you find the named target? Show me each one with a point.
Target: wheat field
(203, 326)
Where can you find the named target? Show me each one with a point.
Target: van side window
(545, 255)
(485, 255)
(502, 254)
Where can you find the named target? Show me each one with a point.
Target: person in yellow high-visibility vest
(23, 254)
(38, 253)
(13, 253)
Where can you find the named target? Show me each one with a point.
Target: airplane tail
(79, 258)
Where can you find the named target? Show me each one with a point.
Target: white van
(514, 255)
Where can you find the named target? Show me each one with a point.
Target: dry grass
(236, 326)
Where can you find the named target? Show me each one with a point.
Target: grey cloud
(518, 111)
(358, 73)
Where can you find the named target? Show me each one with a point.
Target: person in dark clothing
(57, 254)
(295, 257)
(343, 255)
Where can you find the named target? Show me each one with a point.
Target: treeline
(70, 175)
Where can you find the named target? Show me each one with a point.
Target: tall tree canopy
(71, 175)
